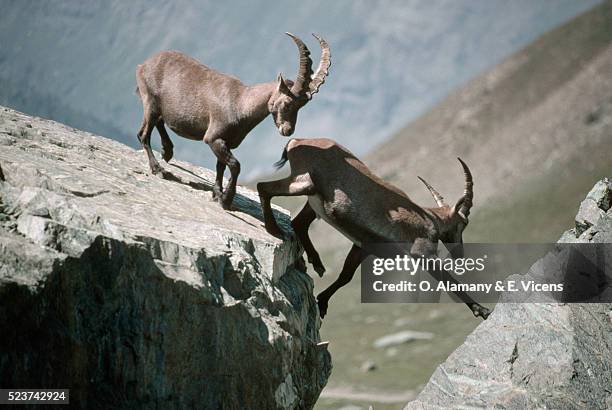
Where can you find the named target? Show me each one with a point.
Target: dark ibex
(200, 103)
(346, 194)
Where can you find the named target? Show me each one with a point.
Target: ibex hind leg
(167, 146)
(144, 135)
(354, 258)
(149, 120)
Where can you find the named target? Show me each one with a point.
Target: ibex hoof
(322, 307)
(320, 269)
(167, 153)
(226, 200)
(157, 169)
(227, 205)
(318, 266)
(480, 311)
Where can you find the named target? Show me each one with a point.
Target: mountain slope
(541, 120)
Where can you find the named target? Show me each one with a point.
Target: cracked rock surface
(137, 291)
(536, 355)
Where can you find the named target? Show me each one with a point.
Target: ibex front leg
(290, 186)
(427, 249)
(144, 136)
(225, 157)
(300, 225)
(218, 188)
(149, 119)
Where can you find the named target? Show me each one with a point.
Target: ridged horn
(304, 76)
(323, 70)
(464, 204)
(436, 195)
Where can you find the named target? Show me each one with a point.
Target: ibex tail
(283, 159)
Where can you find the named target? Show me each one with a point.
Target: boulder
(137, 291)
(536, 355)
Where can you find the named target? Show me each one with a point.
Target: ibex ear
(282, 86)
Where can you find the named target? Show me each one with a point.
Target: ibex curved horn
(436, 195)
(319, 76)
(304, 75)
(464, 204)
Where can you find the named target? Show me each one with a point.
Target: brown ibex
(367, 210)
(200, 103)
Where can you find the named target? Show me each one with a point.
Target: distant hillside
(536, 131)
(391, 59)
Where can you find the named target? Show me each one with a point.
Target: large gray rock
(140, 292)
(594, 221)
(536, 355)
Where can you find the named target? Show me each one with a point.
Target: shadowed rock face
(536, 355)
(140, 292)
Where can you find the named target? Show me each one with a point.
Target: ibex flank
(200, 103)
(342, 191)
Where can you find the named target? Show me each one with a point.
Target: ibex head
(290, 96)
(454, 219)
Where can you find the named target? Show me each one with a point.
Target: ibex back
(346, 194)
(200, 103)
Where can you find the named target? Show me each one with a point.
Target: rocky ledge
(536, 355)
(136, 291)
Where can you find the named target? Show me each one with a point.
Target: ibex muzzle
(289, 97)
